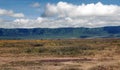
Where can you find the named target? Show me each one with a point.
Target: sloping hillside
(47, 33)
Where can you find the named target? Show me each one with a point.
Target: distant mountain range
(60, 33)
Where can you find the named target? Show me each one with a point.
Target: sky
(59, 13)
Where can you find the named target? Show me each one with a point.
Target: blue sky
(25, 10)
(24, 5)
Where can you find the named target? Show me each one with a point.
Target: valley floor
(67, 54)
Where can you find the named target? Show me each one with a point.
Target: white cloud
(68, 15)
(22, 21)
(36, 5)
(64, 9)
(40, 22)
(11, 13)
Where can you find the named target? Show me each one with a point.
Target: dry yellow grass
(26, 54)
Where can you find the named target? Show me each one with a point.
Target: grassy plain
(60, 54)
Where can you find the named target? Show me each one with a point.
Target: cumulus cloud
(64, 9)
(41, 22)
(36, 5)
(11, 13)
(64, 14)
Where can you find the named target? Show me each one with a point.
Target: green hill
(58, 33)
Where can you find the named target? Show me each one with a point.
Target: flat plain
(60, 54)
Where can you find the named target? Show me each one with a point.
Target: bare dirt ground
(56, 63)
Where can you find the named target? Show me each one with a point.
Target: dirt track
(66, 59)
(39, 59)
